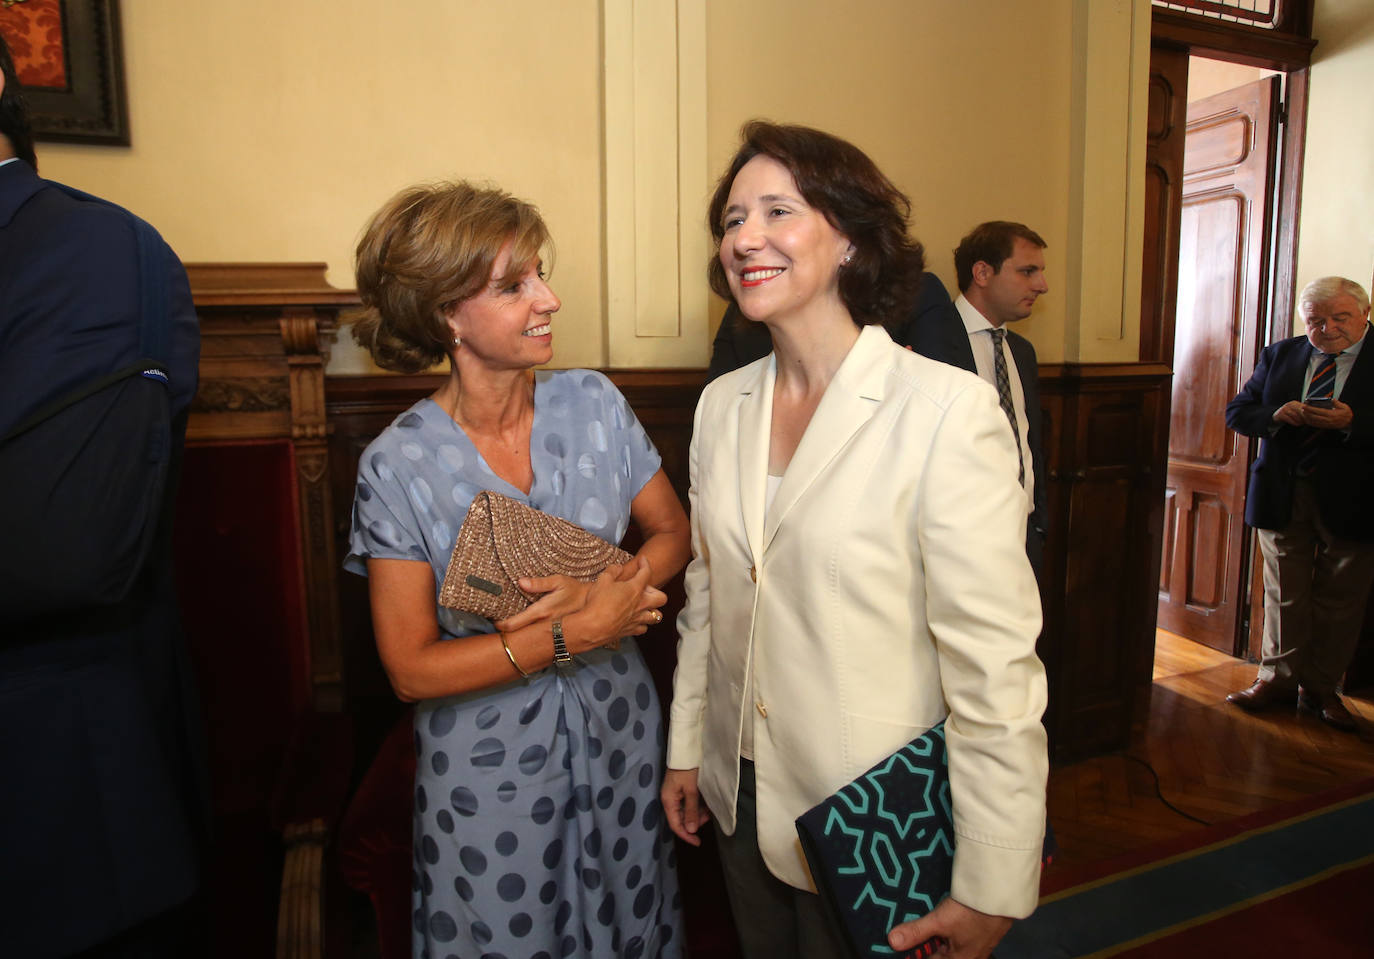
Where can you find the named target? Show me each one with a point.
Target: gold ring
(658, 617)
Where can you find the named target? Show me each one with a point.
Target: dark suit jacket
(933, 328)
(1344, 471)
(102, 817)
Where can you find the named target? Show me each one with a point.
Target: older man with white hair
(1311, 404)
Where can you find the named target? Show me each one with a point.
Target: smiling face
(1009, 293)
(1335, 324)
(781, 256)
(507, 324)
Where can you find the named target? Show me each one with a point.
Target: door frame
(1238, 43)
(1290, 53)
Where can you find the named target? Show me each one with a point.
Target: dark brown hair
(990, 243)
(837, 178)
(430, 247)
(14, 116)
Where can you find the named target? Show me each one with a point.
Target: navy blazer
(1344, 470)
(103, 813)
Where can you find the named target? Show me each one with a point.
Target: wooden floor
(1213, 761)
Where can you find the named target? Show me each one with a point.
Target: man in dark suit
(1000, 267)
(1311, 404)
(103, 812)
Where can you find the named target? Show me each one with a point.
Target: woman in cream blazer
(878, 586)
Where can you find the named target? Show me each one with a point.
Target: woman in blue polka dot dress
(538, 831)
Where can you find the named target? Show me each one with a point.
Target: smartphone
(1320, 402)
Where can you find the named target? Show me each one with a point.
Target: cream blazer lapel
(755, 424)
(849, 402)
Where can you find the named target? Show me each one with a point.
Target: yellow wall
(964, 105)
(1337, 229)
(269, 131)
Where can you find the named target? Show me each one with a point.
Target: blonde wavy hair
(430, 247)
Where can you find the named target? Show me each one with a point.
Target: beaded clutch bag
(502, 540)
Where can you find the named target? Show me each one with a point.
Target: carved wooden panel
(1223, 277)
(1206, 329)
(265, 335)
(1170, 524)
(1103, 550)
(1165, 119)
(1209, 534)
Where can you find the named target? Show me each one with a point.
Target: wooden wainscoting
(1106, 439)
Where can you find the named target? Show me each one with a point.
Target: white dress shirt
(980, 339)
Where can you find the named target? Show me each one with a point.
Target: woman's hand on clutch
(967, 933)
(683, 806)
(561, 596)
(619, 603)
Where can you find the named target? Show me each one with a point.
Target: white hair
(1327, 288)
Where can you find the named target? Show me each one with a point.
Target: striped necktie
(999, 372)
(1323, 383)
(1322, 386)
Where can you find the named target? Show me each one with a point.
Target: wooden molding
(235, 394)
(1052, 373)
(265, 284)
(1288, 207)
(266, 329)
(1237, 42)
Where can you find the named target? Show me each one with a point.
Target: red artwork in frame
(33, 30)
(70, 63)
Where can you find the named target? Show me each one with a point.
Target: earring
(457, 341)
(847, 258)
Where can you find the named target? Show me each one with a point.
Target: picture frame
(85, 101)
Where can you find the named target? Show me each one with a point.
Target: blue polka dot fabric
(538, 831)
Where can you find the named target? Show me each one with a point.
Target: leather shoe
(1262, 694)
(1329, 709)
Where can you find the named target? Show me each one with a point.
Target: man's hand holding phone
(1327, 414)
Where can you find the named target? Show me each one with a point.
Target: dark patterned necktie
(1003, 382)
(1322, 386)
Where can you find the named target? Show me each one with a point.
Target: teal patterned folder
(882, 848)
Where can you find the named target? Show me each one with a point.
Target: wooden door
(1223, 279)
(1165, 126)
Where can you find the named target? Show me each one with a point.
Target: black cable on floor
(1159, 792)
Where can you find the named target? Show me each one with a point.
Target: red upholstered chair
(374, 837)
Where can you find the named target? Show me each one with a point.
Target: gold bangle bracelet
(511, 656)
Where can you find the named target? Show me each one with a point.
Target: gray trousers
(1315, 588)
(773, 918)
